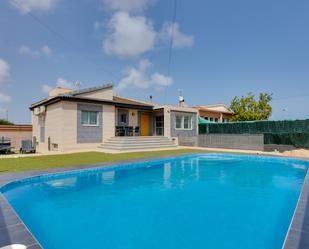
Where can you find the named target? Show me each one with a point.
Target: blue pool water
(204, 201)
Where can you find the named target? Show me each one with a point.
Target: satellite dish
(181, 99)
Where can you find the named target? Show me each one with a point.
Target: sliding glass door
(159, 125)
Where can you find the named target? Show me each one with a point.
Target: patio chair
(26, 146)
(129, 130)
(136, 131)
(120, 131)
(5, 145)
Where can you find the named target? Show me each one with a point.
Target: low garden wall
(16, 133)
(232, 141)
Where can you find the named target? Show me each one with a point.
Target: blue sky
(221, 48)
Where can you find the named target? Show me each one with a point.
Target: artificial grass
(8, 165)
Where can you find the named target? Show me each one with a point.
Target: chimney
(58, 90)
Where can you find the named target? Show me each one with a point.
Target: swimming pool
(201, 201)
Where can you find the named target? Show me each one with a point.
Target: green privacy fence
(287, 132)
(296, 139)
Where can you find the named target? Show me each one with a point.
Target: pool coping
(16, 232)
(297, 236)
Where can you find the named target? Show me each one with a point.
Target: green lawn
(56, 161)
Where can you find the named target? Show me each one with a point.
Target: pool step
(137, 143)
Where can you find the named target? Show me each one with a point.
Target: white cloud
(161, 80)
(46, 50)
(4, 71)
(61, 82)
(27, 6)
(28, 51)
(46, 88)
(129, 35)
(128, 5)
(180, 40)
(5, 98)
(138, 77)
(25, 50)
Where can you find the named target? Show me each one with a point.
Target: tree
(5, 122)
(247, 108)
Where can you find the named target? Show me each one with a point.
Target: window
(90, 118)
(211, 119)
(178, 122)
(225, 120)
(216, 120)
(123, 118)
(187, 124)
(206, 118)
(159, 125)
(183, 122)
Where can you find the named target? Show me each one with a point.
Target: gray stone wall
(278, 147)
(183, 133)
(187, 141)
(89, 134)
(232, 141)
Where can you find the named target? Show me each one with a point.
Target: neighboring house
(215, 113)
(16, 133)
(84, 119)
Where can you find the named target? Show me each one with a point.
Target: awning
(203, 121)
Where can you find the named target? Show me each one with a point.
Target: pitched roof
(87, 90)
(214, 108)
(72, 93)
(125, 100)
(121, 104)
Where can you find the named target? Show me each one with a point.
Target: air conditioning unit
(39, 110)
(42, 109)
(36, 111)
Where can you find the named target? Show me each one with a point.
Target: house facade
(84, 119)
(215, 113)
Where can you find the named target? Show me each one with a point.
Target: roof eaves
(47, 101)
(140, 102)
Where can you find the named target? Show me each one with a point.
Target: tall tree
(247, 108)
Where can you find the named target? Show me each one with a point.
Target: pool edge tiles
(298, 233)
(17, 231)
(12, 228)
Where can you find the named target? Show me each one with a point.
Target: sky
(220, 49)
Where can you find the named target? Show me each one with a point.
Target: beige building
(85, 119)
(215, 113)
